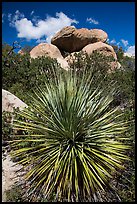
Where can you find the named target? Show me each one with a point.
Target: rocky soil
(9, 174)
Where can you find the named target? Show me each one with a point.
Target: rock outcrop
(101, 47)
(10, 101)
(71, 39)
(105, 50)
(45, 49)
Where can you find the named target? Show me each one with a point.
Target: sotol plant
(74, 139)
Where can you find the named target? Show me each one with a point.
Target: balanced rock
(71, 39)
(45, 49)
(10, 101)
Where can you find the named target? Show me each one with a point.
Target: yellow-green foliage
(78, 137)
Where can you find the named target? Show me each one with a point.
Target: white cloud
(35, 19)
(118, 43)
(131, 50)
(113, 41)
(14, 18)
(91, 20)
(41, 41)
(125, 42)
(32, 12)
(3, 15)
(39, 28)
(9, 16)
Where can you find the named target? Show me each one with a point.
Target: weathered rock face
(71, 39)
(64, 39)
(64, 64)
(103, 48)
(44, 49)
(9, 101)
(98, 35)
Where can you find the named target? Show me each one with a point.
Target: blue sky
(30, 23)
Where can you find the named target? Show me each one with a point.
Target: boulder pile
(72, 40)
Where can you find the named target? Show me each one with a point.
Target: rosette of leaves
(75, 138)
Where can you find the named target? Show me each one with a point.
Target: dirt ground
(9, 175)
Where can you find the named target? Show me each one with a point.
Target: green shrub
(78, 140)
(6, 126)
(15, 194)
(28, 75)
(20, 74)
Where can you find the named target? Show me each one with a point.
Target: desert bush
(6, 126)
(47, 127)
(21, 74)
(78, 139)
(14, 194)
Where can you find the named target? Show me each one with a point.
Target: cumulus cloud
(93, 21)
(39, 28)
(35, 19)
(131, 50)
(125, 42)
